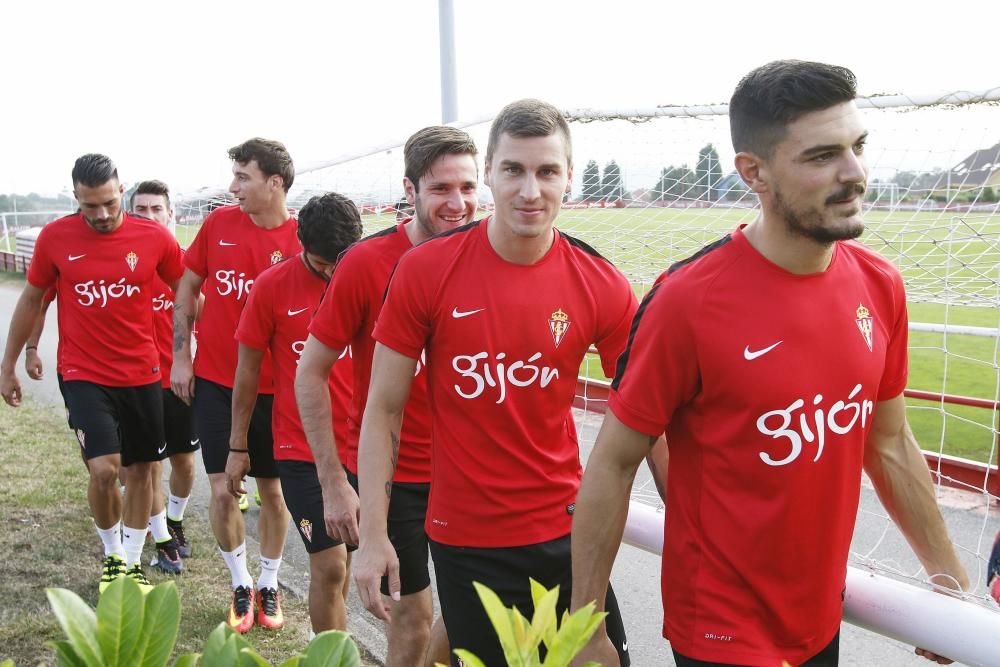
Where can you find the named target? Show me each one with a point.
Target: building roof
(977, 168)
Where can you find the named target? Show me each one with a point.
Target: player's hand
(33, 365)
(376, 558)
(182, 379)
(341, 511)
(237, 467)
(599, 649)
(10, 388)
(933, 657)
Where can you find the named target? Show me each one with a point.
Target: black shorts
(178, 425)
(213, 419)
(506, 571)
(405, 523)
(828, 657)
(116, 420)
(304, 498)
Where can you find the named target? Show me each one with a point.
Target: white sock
(268, 573)
(112, 539)
(176, 506)
(158, 527)
(132, 540)
(236, 561)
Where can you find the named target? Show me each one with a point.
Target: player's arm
(599, 519)
(186, 296)
(899, 472)
(378, 453)
(657, 459)
(312, 395)
(245, 384)
(21, 324)
(32, 360)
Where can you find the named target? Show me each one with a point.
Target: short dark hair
(425, 146)
(93, 170)
(529, 118)
(328, 225)
(770, 97)
(271, 157)
(153, 187)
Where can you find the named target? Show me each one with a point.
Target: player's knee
(330, 567)
(415, 612)
(104, 473)
(182, 465)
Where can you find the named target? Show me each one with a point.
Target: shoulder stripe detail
(586, 247)
(714, 245)
(623, 358)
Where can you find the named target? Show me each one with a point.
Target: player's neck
(416, 232)
(793, 252)
(271, 218)
(516, 248)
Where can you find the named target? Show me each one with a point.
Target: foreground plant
(131, 628)
(520, 640)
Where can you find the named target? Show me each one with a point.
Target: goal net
(652, 186)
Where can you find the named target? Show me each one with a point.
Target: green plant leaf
(469, 659)
(79, 623)
(334, 648)
(161, 619)
(119, 622)
(222, 647)
(500, 618)
(294, 661)
(543, 623)
(65, 655)
(7, 663)
(188, 660)
(250, 658)
(574, 633)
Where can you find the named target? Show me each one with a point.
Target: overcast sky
(165, 88)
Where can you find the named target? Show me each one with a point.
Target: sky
(165, 88)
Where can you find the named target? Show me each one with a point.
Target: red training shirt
(276, 320)
(765, 382)
(346, 318)
(229, 252)
(504, 343)
(104, 285)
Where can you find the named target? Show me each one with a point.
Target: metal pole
(449, 88)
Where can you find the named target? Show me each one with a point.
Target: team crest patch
(558, 325)
(864, 320)
(276, 257)
(306, 527)
(132, 259)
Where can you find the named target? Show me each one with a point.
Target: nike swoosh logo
(225, 243)
(162, 449)
(73, 258)
(458, 314)
(750, 356)
(293, 313)
(195, 442)
(624, 647)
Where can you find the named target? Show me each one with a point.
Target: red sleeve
(404, 323)
(49, 296)
(620, 308)
(196, 257)
(344, 309)
(894, 376)
(659, 367)
(256, 325)
(42, 272)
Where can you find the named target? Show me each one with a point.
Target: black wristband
(30, 347)
(241, 451)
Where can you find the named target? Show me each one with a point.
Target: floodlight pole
(449, 88)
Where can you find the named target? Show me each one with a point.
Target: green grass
(49, 541)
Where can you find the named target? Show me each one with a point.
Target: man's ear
(753, 170)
